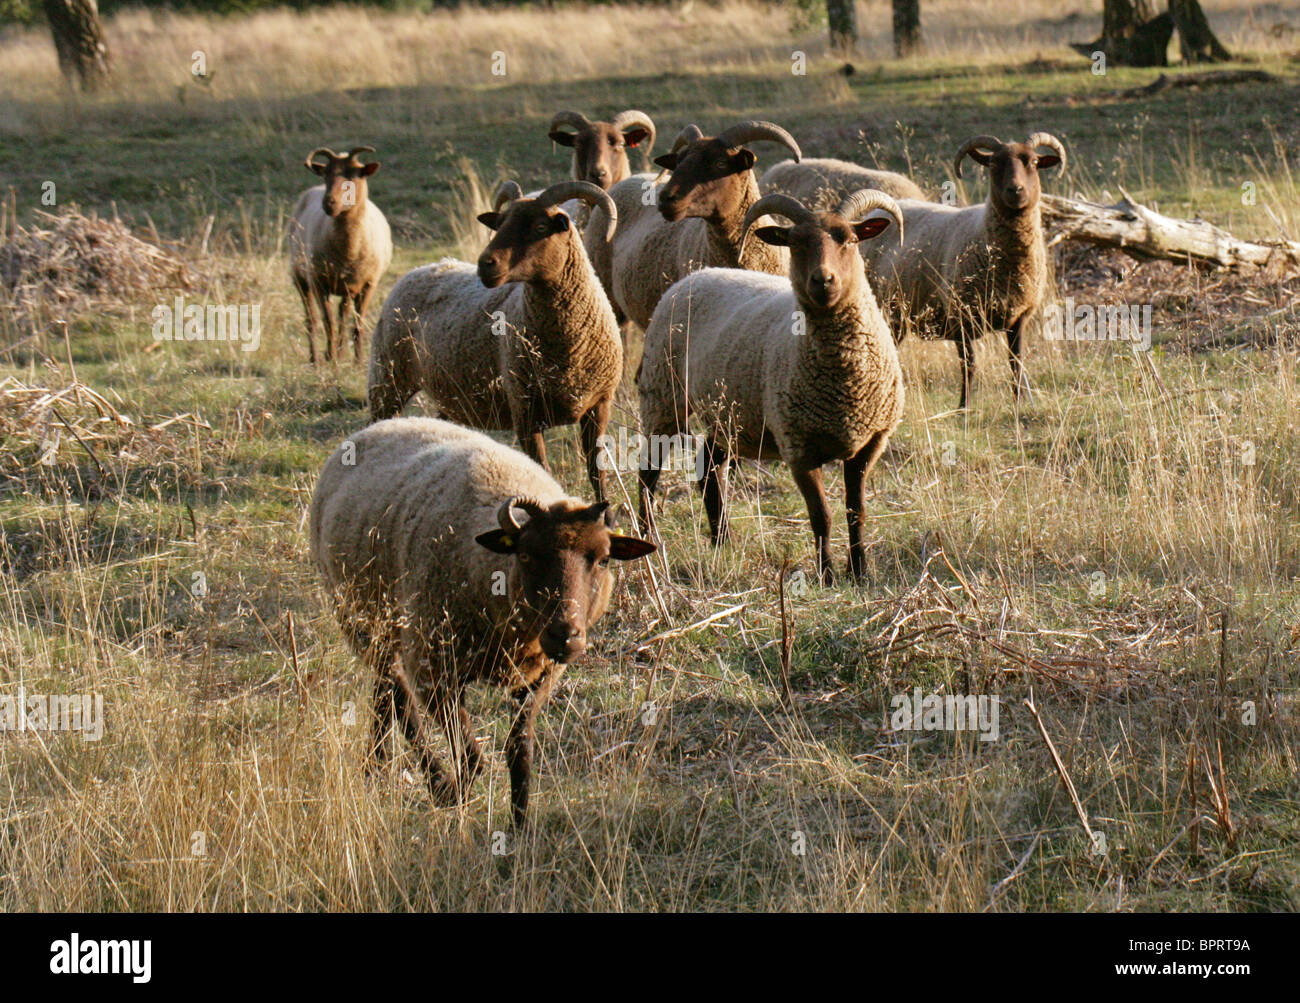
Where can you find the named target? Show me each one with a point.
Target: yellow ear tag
(509, 541)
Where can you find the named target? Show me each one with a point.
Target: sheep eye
(524, 558)
(603, 562)
(541, 229)
(721, 165)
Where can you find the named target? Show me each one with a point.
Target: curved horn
(506, 518)
(855, 206)
(507, 191)
(777, 203)
(360, 149)
(973, 143)
(587, 192)
(1051, 142)
(752, 131)
(320, 149)
(625, 119)
(688, 135)
(576, 119)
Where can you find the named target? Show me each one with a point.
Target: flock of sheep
(452, 558)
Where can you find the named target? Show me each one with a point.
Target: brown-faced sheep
(339, 245)
(801, 369)
(525, 340)
(691, 221)
(600, 148)
(965, 271)
(450, 559)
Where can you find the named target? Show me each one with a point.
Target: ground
(1122, 550)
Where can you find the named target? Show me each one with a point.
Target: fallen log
(1144, 233)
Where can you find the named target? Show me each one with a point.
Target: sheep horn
(506, 517)
(779, 204)
(855, 206)
(626, 119)
(972, 144)
(687, 136)
(587, 192)
(1051, 142)
(752, 131)
(507, 191)
(360, 149)
(576, 119)
(320, 149)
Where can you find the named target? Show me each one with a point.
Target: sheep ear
(370, 168)
(317, 168)
(668, 161)
(868, 228)
(777, 236)
(634, 137)
(560, 222)
(1048, 160)
(629, 548)
(563, 138)
(492, 220)
(743, 160)
(499, 541)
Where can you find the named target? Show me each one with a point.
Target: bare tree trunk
(79, 40)
(1133, 34)
(842, 16)
(1196, 39)
(907, 27)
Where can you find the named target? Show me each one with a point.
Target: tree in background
(1133, 34)
(79, 40)
(907, 27)
(842, 16)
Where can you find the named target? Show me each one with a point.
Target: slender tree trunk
(842, 16)
(79, 40)
(907, 27)
(1196, 39)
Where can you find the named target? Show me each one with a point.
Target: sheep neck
(725, 232)
(347, 231)
(1014, 244)
(562, 307)
(844, 341)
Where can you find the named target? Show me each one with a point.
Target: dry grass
(1125, 547)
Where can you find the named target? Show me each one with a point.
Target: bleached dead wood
(1144, 233)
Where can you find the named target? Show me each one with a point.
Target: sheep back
(821, 182)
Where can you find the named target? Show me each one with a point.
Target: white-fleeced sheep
(526, 340)
(803, 368)
(821, 182)
(963, 271)
(339, 245)
(450, 558)
(689, 222)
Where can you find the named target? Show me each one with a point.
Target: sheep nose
(566, 640)
(823, 277)
(599, 174)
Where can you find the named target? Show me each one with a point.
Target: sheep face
(345, 180)
(560, 573)
(524, 247)
(708, 180)
(825, 265)
(1013, 174)
(600, 151)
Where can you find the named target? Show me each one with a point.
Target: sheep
(436, 582)
(820, 183)
(524, 341)
(600, 148)
(339, 245)
(689, 222)
(964, 271)
(803, 368)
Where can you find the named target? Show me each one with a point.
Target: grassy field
(1124, 548)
